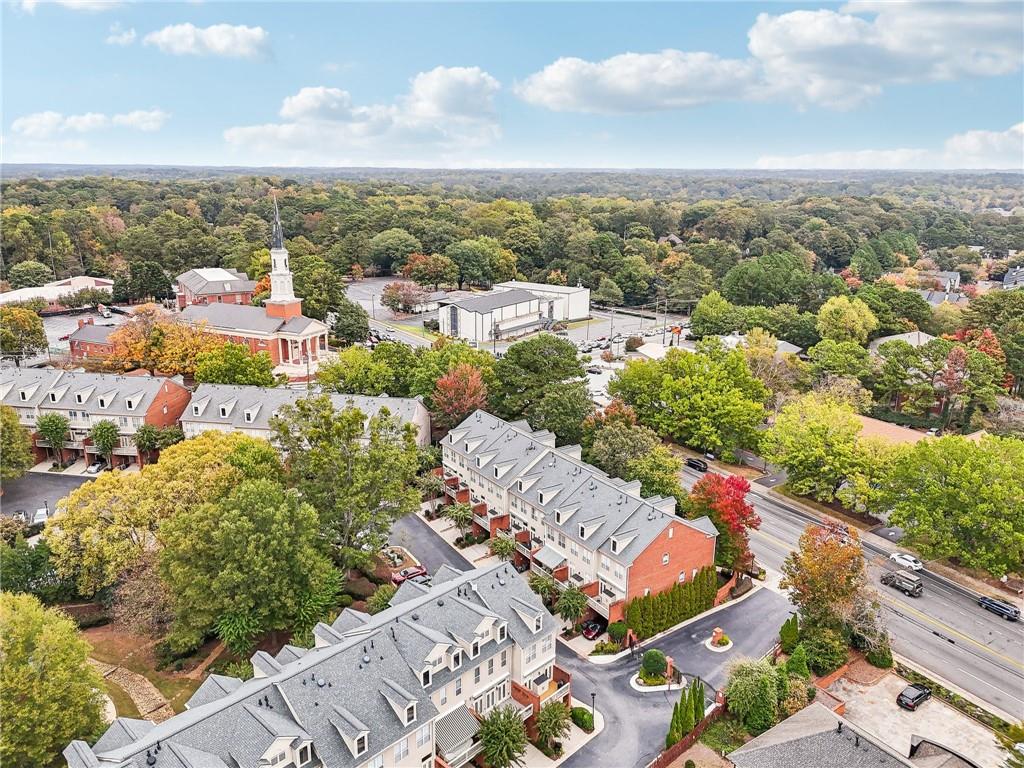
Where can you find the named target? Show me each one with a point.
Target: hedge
(955, 700)
(583, 718)
(651, 614)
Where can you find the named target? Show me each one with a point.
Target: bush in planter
(723, 640)
(605, 648)
(826, 650)
(583, 718)
(654, 663)
(617, 632)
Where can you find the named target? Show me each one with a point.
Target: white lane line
(1013, 696)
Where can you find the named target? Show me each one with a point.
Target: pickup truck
(907, 583)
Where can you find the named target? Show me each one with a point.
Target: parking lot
(38, 490)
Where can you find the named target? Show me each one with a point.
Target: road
(35, 490)
(943, 631)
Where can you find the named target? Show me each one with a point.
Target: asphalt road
(942, 631)
(34, 490)
(413, 533)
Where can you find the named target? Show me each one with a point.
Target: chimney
(85, 321)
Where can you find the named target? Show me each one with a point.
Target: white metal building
(571, 302)
(495, 315)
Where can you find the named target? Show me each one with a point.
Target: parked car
(698, 464)
(907, 583)
(593, 369)
(998, 607)
(20, 515)
(407, 573)
(903, 560)
(594, 628)
(65, 337)
(96, 467)
(913, 696)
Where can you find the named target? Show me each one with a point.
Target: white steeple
(281, 290)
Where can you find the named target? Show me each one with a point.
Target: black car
(998, 607)
(913, 696)
(594, 628)
(699, 464)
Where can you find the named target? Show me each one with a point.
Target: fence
(669, 755)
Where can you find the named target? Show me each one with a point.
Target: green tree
(25, 274)
(616, 444)
(845, 319)
(247, 564)
(15, 446)
(390, 249)
(608, 292)
(1011, 739)
(21, 333)
(147, 440)
(789, 634)
(318, 285)
(51, 694)
(562, 409)
(653, 663)
(381, 598)
(797, 663)
(554, 721)
(53, 428)
(351, 323)
(105, 438)
(571, 604)
(526, 371)
(432, 270)
(658, 472)
(502, 548)
(357, 473)
(503, 736)
(28, 568)
(714, 316)
(544, 585)
(839, 358)
(477, 259)
(235, 364)
(460, 514)
(357, 372)
(752, 691)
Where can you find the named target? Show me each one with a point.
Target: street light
(593, 701)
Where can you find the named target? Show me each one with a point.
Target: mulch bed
(863, 673)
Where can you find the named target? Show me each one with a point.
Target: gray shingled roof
(492, 300)
(207, 281)
(34, 382)
(73, 390)
(96, 334)
(241, 317)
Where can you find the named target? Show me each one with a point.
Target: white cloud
(43, 125)
(120, 36)
(977, 149)
(445, 112)
(218, 40)
(835, 59)
(29, 6)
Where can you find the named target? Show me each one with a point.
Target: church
(297, 344)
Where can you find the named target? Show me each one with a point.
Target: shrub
(617, 631)
(689, 764)
(380, 599)
(605, 648)
(345, 601)
(651, 614)
(752, 692)
(789, 635)
(797, 663)
(826, 650)
(654, 663)
(633, 343)
(432, 325)
(796, 699)
(583, 718)
(881, 656)
(723, 640)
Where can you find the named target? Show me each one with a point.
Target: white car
(904, 560)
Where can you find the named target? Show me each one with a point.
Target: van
(698, 464)
(907, 583)
(998, 607)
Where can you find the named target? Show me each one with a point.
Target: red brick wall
(175, 397)
(80, 350)
(687, 549)
(186, 299)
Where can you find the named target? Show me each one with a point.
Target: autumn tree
(21, 333)
(15, 446)
(153, 341)
(724, 500)
(825, 576)
(456, 395)
(615, 411)
(844, 319)
(402, 296)
(433, 269)
(234, 364)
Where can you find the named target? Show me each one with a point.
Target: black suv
(699, 464)
(913, 696)
(998, 607)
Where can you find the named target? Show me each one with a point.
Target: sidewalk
(478, 554)
(575, 741)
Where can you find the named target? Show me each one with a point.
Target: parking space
(38, 490)
(873, 708)
(58, 327)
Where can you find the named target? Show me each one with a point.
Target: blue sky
(688, 85)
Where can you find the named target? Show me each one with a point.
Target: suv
(699, 464)
(913, 696)
(907, 583)
(998, 607)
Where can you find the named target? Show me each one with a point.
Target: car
(903, 560)
(20, 515)
(96, 467)
(913, 696)
(593, 369)
(65, 337)
(906, 582)
(594, 628)
(998, 607)
(698, 464)
(407, 573)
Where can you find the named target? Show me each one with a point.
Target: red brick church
(297, 344)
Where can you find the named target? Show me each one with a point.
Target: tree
(443, 356)
(967, 500)
(825, 576)
(461, 516)
(351, 323)
(25, 274)
(245, 565)
(544, 585)
(562, 409)
(724, 500)
(796, 664)
(21, 333)
(432, 270)
(357, 473)
(502, 547)
(814, 439)
(789, 634)
(457, 394)
(571, 604)
(752, 691)
(658, 472)
(235, 364)
(318, 284)
(402, 296)
(390, 249)
(554, 721)
(105, 438)
(381, 598)
(845, 319)
(608, 292)
(840, 358)
(503, 736)
(53, 428)
(356, 371)
(654, 663)
(142, 603)
(713, 316)
(143, 280)
(147, 440)
(15, 446)
(1011, 739)
(528, 368)
(617, 444)
(154, 342)
(51, 694)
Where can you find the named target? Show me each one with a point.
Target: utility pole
(612, 331)
(664, 326)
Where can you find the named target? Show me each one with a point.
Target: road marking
(1013, 696)
(950, 630)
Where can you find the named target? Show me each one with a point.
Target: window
(195, 410)
(223, 411)
(671, 530)
(377, 762)
(103, 402)
(305, 754)
(476, 675)
(23, 394)
(423, 735)
(53, 397)
(248, 416)
(547, 644)
(615, 546)
(425, 677)
(410, 714)
(456, 659)
(444, 696)
(682, 576)
(360, 744)
(458, 686)
(537, 624)
(561, 540)
(79, 398)
(583, 532)
(490, 666)
(474, 650)
(504, 658)
(530, 654)
(428, 762)
(664, 559)
(279, 758)
(129, 404)
(401, 750)
(502, 632)
(495, 471)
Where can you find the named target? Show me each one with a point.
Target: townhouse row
(406, 687)
(132, 400)
(568, 518)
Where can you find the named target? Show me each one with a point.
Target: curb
(652, 688)
(955, 689)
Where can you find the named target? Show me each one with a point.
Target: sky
(864, 84)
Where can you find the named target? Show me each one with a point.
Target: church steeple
(282, 302)
(277, 231)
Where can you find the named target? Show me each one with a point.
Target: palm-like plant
(146, 439)
(504, 737)
(544, 585)
(502, 548)
(571, 604)
(553, 722)
(461, 514)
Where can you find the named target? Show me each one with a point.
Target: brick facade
(688, 551)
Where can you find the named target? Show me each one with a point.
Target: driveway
(413, 533)
(35, 490)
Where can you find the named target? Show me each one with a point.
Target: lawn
(724, 735)
(122, 701)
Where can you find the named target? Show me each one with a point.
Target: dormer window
(558, 516)
(456, 659)
(583, 533)
(195, 410)
(474, 649)
(495, 471)
(537, 623)
(410, 713)
(305, 753)
(129, 404)
(361, 744)
(78, 398)
(502, 632)
(102, 402)
(615, 545)
(53, 397)
(540, 497)
(23, 394)
(425, 677)
(224, 411)
(519, 486)
(479, 461)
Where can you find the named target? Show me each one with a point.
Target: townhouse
(91, 341)
(568, 518)
(129, 401)
(230, 408)
(404, 687)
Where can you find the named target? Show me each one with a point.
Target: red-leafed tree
(724, 500)
(457, 394)
(986, 342)
(616, 412)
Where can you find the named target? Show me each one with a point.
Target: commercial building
(405, 687)
(568, 518)
(52, 293)
(500, 314)
(913, 338)
(213, 285)
(230, 408)
(570, 302)
(84, 399)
